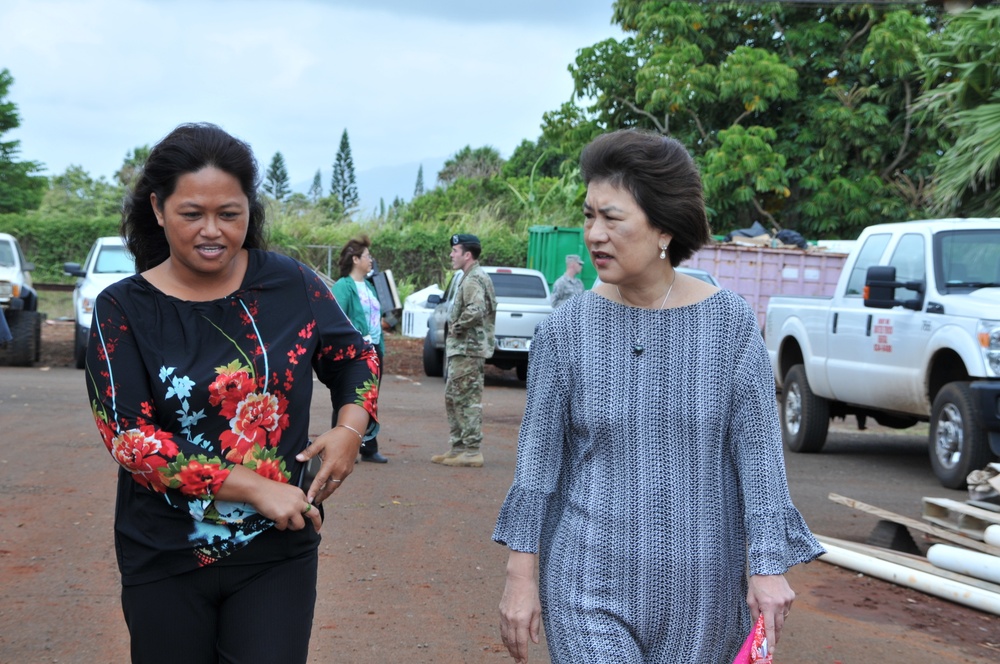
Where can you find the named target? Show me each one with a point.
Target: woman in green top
(357, 297)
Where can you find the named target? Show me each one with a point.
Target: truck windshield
(517, 285)
(114, 260)
(968, 260)
(6, 255)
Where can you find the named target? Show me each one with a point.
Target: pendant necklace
(637, 346)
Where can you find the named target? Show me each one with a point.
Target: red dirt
(407, 569)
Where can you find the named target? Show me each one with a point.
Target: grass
(56, 304)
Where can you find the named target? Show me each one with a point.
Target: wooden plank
(967, 519)
(941, 533)
(918, 563)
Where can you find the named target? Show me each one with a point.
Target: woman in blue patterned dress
(200, 372)
(650, 491)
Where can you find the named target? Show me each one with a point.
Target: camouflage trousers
(463, 399)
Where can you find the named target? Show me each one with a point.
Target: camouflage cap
(575, 258)
(465, 239)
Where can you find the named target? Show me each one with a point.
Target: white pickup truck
(522, 303)
(911, 334)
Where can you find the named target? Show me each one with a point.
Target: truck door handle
(868, 327)
(516, 315)
(835, 314)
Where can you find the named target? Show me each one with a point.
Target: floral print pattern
(231, 385)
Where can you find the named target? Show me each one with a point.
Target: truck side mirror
(73, 270)
(434, 299)
(880, 287)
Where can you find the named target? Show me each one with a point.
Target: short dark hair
(474, 249)
(354, 247)
(187, 149)
(662, 178)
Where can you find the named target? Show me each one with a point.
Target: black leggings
(239, 614)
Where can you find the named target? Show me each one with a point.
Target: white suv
(19, 305)
(108, 261)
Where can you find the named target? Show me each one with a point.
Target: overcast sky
(411, 81)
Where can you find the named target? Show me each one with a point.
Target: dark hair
(663, 179)
(187, 149)
(474, 249)
(353, 248)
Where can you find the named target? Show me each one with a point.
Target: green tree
(132, 166)
(963, 95)
(478, 164)
(316, 189)
(276, 180)
(418, 189)
(20, 188)
(343, 184)
(800, 115)
(76, 194)
(534, 157)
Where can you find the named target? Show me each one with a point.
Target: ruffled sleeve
(540, 448)
(777, 535)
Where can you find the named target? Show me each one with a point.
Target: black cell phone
(309, 471)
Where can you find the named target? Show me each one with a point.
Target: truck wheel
(522, 370)
(805, 417)
(433, 358)
(25, 348)
(957, 445)
(79, 348)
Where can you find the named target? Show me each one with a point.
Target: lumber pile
(963, 565)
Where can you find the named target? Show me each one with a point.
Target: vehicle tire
(805, 417)
(433, 358)
(25, 348)
(957, 445)
(79, 348)
(522, 370)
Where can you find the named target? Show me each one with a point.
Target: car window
(908, 259)
(517, 285)
(868, 256)
(6, 254)
(968, 260)
(114, 260)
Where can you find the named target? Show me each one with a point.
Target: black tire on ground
(25, 348)
(957, 445)
(522, 370)
(79, 349)
(805, 417)
(433, 358)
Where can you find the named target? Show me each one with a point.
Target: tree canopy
(20, 188)
(276, 181)
(484, 162)
(799, 115)
(343, 185)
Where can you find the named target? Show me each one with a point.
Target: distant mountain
(385, 183)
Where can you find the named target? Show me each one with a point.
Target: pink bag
(755, 650)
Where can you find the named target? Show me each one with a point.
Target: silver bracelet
(349, 427)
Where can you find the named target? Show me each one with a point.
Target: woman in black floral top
(199, 370)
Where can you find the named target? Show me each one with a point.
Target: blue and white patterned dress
(650, 483)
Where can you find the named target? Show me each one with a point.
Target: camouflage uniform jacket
(473, 316)
(565, 288)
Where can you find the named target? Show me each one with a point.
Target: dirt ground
(407, 569)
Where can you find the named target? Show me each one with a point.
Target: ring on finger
(334, 481)
(308, 507)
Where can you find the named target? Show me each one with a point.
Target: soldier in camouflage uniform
(568, 285)
(469, 342)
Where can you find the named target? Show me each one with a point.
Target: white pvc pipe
(960, 593)
(971, 563)
(992, 535)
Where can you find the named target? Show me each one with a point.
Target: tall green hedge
(48, 242)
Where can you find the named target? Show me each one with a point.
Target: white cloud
(409, 81)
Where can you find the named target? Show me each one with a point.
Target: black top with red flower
(182, 391)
